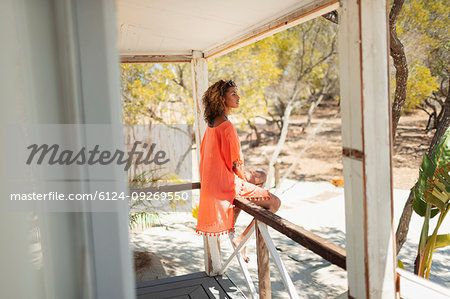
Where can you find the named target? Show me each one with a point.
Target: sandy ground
(309, 200)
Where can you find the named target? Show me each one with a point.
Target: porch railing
(264, 244)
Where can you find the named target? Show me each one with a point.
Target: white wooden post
(212, 255)
(199, 66)
(262, 257)
(366, 141)
(276, 258)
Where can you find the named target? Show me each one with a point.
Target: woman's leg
(272, 205)
(258, 178)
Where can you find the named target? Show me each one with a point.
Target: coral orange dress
(219, 183)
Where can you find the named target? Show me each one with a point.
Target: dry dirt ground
(322, 160)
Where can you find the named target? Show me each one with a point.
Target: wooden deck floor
(196, 285)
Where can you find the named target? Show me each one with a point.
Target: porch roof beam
(155, 58)
(298, 16)
(301, 15)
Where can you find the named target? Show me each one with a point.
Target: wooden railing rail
(329, 251)
(213, 262)
(170, 188)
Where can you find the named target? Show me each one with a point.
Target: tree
(306, 55)
(253, 68)
(156, 93)
(428, 22)
(422, 27)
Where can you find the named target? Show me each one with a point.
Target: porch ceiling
(177, 27)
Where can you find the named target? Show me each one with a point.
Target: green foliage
(423, 25)
(253, 68)
(302, 48)
(141, 215)
(143, 220)
(437, 191)
(431, 176)
(423, 29)
(428, 18)
(432, 197)
(400, 264)
(420, 85)
(156, 93)
(442, 241)
(142, 212)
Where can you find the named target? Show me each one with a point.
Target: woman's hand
(238, 168)
(256, 177)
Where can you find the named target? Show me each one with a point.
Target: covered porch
(67, 55)
(211, 34)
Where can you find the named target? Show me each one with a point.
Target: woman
(222, 174)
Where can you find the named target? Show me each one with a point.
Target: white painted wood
(350, 101)
(199, 67)
(237, 249)
(155, 58)
(287, 281)
(342, 296)
(200, 85)
(263, 262)
(212, 255)
(366, 128)
(350, 76)
(297, 16)
(244, 269)
(354, 224)
(177, 27)
(377, 147)
(415, 287)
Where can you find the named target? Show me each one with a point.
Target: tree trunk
(401, 66)
(258, 135)
(401, 78)
(313, 107)
(287, 113)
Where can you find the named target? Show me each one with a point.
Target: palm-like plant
(140, 216)
(432, 197)
(143, 213)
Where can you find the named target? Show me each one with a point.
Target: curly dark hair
(212, 100)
